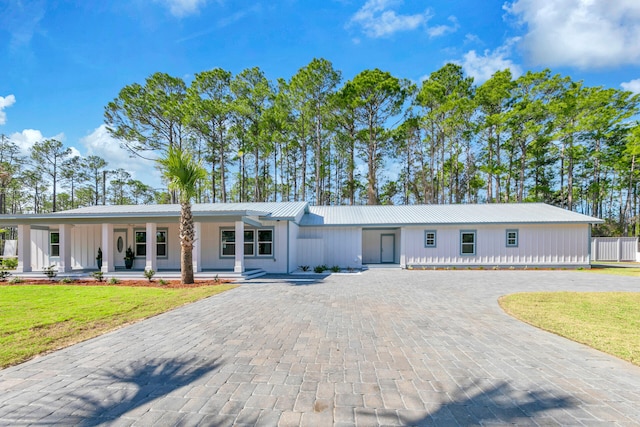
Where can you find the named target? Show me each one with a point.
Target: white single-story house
(280, 237)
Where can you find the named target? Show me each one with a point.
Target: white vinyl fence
(614, 248)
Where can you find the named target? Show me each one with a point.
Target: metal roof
(511, 213)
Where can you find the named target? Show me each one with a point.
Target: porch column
(403, 248)
(239, 264)
(197, 247)
(24, 249)
(152, 248)
(108, 263)
(65, 248)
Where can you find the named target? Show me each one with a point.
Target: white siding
(371, 241)
(85, 240)
(564, 244)
(293, 246)
(39, 249)
(341, 246)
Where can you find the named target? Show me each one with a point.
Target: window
(265, 242)
(141, 243)
(54, 243)
(512, 238)
(161, 243)
(429, 239)
(256, 242)
(468, 242)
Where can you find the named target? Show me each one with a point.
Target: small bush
(114, 281)
(351, 269)
(4, 274)
(320, 268)
(305, 268)
(162, 282)
(98, 275)
(66, 280)
(335, 269)
(216, 279)
(149, 274)
(10, 263)
(15, 280)
(50, 272)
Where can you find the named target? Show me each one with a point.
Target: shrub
(149, 274)
(114, 281)
(335, 269)
(15, 280)
(98, 275)
(10, 263)
(304, 267)
(162, 282)
(320, 268)
(50, 272)
(66, 280)
(4, 274)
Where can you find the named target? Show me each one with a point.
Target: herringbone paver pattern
(386, 347)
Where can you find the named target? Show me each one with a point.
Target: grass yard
(39, 318)
(618, 271)
(607, 321)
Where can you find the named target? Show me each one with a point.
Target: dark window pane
(248, 235)
(162, 250)
(229, 236)
(248, 248)
(228, 249)
(141, 250)
(265, 235)
(141, 236)
(55, 237)
(55, 250)
(467, 248)
(467, 237)
(161, 236)
(265, 249)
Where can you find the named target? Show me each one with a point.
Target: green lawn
(618, 271)
(40, 318)
(607, 321)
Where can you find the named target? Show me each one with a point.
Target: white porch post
(403, 248)
(197, 247)
(239, 264)
(152, 248)
(65, 248)
(108, 263)
(24, 249)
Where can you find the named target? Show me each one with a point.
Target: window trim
(51, 244)
(435, 239)
(166, 243)
(474, 233)
(255, 243)
(517, 238)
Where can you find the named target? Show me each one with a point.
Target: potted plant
(99, 258)
(128, 258)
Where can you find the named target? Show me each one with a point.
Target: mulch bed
(173, 284)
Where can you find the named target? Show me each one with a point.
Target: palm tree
(183, 172)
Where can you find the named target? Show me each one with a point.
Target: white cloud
(5, 102)
(441, 30)
(632, 86)
(25, 140)
(482, 67)
(378, 20)
(581, 33)
(180, 8)
(101, 143)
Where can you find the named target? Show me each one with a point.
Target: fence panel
(614, 248)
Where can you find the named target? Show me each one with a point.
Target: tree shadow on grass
(135, 385)
(474, 405)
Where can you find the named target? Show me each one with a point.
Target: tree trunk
(187, 238)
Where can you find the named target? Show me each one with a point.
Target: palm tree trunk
(187, 238)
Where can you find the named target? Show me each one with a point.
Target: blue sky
(62, 61)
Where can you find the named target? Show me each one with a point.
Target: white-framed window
(512, 238)
(162, 249)
(430, 238)
(54, 243)
(467, 242)
(257, 242)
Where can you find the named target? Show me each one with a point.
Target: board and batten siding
(549, 244)
(341, 246)
(85, 240)
(371, 244)
(39, 249)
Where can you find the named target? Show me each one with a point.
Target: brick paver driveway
(386, 347)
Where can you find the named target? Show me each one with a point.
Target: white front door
(119, 247)
(387, 248)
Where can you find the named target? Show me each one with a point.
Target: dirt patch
(155, 283)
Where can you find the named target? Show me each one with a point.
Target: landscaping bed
(157, 283)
